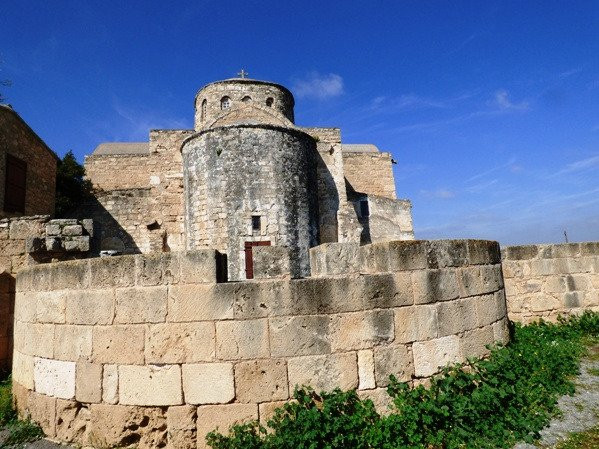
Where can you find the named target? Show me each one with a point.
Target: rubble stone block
(393, 359)
(150, 385)
(242, 339)
(208, 383)
(221, 418)
(72, 421)
(324, 372)
(432, 354)
(261, 380)
(54, 378)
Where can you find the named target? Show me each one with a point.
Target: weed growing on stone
(16, 432)
(489, 403)
(583, 440)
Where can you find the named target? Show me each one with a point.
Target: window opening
(225, 103)
(364, 208)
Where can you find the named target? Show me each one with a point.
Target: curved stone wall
(544, 281)
(240, 92)
(234, 173)
(148, 350)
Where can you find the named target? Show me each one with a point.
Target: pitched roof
(108, 148)
(359, 148)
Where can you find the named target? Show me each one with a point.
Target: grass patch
(19, 432)
(582, 440)
(491, 403)
(594, 371)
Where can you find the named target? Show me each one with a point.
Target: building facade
(245, 176)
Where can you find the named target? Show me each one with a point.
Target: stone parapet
(544, 281)
(149, 350)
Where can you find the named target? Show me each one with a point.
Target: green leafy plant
(488, 403)
(18, 432)
(71, 186)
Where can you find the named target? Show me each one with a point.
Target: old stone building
(245, 176)
(27, 168)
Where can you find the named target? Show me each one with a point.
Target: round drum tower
(250, 176)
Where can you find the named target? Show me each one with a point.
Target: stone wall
(388, 219)
(19, 140)
(235, 173)
(370, 173)
(149, 350)
(544, 281)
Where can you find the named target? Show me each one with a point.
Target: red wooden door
(249, 258)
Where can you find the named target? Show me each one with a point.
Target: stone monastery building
(246, 176)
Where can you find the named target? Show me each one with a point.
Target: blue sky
(490, 108)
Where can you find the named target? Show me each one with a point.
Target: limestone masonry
(245, 176)
(240, 259)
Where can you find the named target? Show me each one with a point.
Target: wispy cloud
(139, 122)
(581, 165)
(319, 86)
(439, 193)
(509, 164)
(503, 102)
(571, 72)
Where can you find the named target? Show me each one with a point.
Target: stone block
(566, 250)
(34, 245)
(73, 343)
(197, 302)
(313, 296)
(384, 290)
(261, 380)
(359, 330)
(88, 226)
(34, 278)
(22, 370)
(72, 421)
(26, 306)
(150, 385)
(222, 418)
(380, 398)
(208, 383)
(72, 230)
(198, 266)
(121, 426)
(299, 335)
(432, 354)
(180, 342)
(483, 252)
(42, 410)
(181, 424)
(393, 359)
(520, 252)
(50, 307)
(324, 372)
(271, 262)
(447, 253)
(242, 339)
(21, 229)
(88, 382)
(457, 316)
(35, 339)
(415, 323)
(20, 398)
(543, 267)
(110, 384)
(53, 243)
(141, 305)
(366, 380)
(157, 269)
(89, 307)
(474, 342)
(54, 378)
(118, 344)
(434, 285)
(501, 331)
(52, 229)
(112, 271)
(267, 410)
(71, 275)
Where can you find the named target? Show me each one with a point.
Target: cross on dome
(243, 74)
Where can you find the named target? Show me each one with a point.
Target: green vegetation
(491, 403)
(71, 187)
(19, 432)
(583, 440)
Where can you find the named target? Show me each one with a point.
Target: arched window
(225, 103)
(269, 102)
(203, 116)
(246, 99)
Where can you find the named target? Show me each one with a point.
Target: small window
(15, 185)
(203, 116)
(364, 209)
(246, 99)
(225, 103)
(256, 223)
(269, 102)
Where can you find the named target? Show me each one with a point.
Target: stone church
(245, 177)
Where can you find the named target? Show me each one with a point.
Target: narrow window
(269, 102)
(225, 103)
(203, 116)
(256, 223)
(15, 185)
(246, 99)
(364, 209)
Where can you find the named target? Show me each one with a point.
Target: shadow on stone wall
(7, 305)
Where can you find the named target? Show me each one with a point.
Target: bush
(490, 403)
